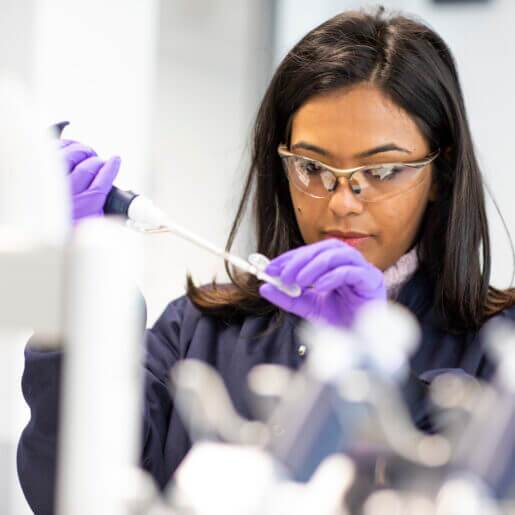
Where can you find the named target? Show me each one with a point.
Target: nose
(343, 201)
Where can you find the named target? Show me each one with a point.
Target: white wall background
(214, 59)
(481, 39)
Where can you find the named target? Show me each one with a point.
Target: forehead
(348, 121)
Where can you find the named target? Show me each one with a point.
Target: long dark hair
(413, 66)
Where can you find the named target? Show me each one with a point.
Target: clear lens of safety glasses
(370, 183)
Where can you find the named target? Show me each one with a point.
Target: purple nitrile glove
(335, 278)
(91, 178)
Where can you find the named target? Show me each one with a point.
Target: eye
(309, 167)
(384, 173)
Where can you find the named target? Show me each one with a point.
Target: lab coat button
(301, 350)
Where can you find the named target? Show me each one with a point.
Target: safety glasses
(370, 183)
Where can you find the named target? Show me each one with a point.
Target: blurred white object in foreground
(224, 479)
(34, 196)
(102, 377)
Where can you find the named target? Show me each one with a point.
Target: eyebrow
(387, 147)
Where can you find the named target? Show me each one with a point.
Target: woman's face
(334, 128)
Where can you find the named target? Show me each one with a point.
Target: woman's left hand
(336, 282)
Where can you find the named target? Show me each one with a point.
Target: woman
(355, 95)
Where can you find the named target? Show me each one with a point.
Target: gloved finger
(276, 264)
(74, 153)
(84, 173)
(324, 262)
(292, 259)
(362, 281)
(88, 203)
(104, 179)
(305, 306)
(275, 296)
(294, 266)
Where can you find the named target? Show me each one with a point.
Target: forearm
(37, 448)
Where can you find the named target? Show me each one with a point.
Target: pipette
(144, 216)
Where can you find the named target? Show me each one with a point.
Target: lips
(352, 238)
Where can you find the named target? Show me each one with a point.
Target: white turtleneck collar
(400, 273)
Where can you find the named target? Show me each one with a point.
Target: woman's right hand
(90, 178)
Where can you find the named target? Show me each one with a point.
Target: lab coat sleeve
(37, 448)
(163, 349)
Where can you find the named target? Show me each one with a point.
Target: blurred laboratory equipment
(340, 427)
(75, 292)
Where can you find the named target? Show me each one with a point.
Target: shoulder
(164, 341)
(187, 331)
(182, 322)
(485, 332)
(181, 313)
(178, 318)
(505, 314)
(466, 351)
(177, 311)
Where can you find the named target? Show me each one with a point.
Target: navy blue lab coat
(232, 349)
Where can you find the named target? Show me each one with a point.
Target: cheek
(307, 212)
(399, 222)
